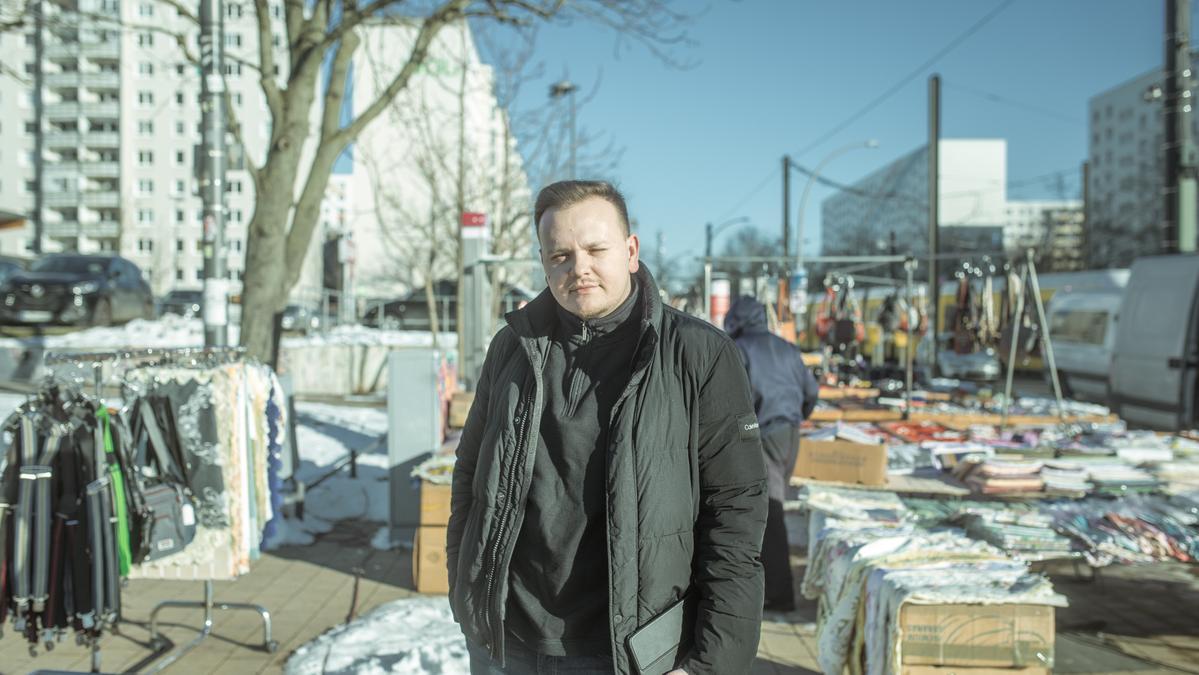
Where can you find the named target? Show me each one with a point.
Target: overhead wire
(891, 91)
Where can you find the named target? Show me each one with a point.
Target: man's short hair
(567, 193)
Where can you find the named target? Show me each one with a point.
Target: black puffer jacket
(686, 485)
(784, 390)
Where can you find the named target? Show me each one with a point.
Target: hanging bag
(168, 517)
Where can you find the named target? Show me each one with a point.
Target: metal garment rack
(1029, 283)
(148, 357)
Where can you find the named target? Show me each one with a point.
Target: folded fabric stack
(1178, 476)
(1115, 478)
(1065, 479)
(1002, 476)
(1028, 536)
(920, 432)
(948, 456)
(908, 458)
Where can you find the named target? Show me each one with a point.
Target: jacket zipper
(505, 516)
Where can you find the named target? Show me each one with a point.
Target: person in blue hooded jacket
(784, 395)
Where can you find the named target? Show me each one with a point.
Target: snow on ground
(415, 635)
(324, 436)
(167, 331)
(363, 335)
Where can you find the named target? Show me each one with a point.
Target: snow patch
(416, 635)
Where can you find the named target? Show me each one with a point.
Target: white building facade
(1126, 164)
(891, 204)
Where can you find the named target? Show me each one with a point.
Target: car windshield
(71, 265)
(184, 295)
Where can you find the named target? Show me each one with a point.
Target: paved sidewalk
(1151, 613)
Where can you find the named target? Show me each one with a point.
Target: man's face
(587, 257)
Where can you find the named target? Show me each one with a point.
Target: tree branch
(266, 61)
(335, 92)
(420, 49)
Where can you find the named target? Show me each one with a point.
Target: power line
(1015, 104)
(909, 77)
(750, 195)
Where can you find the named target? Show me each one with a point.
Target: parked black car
(412, 311)
(182, 302)
(69, 288)
(300, 319)
(10, 265)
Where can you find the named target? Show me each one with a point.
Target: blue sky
(772, 76)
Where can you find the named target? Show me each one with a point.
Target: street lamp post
(558, 90)
(803, 200)
(711, 231)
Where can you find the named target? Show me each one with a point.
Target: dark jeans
(520, 661)
(776, 561)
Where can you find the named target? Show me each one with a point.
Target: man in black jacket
(784, 394)
(610, 472)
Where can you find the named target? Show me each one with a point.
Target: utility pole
(1179, 231)
(787, 205)
(212, 172)
(39, 134)
(708, 240)
(934, 196)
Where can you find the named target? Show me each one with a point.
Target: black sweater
(558, 601)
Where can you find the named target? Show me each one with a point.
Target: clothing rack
(149, 357)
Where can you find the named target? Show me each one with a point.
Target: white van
(1082, 327)
(1155, 365)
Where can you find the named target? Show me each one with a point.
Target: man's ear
(634, 245)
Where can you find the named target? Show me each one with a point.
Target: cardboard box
(871, 415)
(967, 670)
(825, 415)
(434, 503)
(460, 404)
(979, 636)
(838, 393)
(429, 570)
(842, 462)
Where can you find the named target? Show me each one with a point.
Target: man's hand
(677, 671)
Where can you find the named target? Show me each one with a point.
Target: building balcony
(61, 199)
(64, 168)
(63, 80)
(107, 109)
(102, 80)
(62, 139)
(102, 229)
(100, 169)
(102, 199)
(101, 50)
(102, 139)
(63, 110)
(56, 51)
(63, 228)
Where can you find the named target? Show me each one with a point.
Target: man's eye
(558, 258)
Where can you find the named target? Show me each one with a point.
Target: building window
(145, 10)
(145, 245)
(179, 216)
(31, 186)
(236, 243)
(277, 11)
(179, 246)
(237, 99)
(145, 157)
(180, 188)
(235, 215)
(180, 157)
(145, 216)
(145, 68)
(233, 68)
(178, 275)
(232, 39)
(145, 39)
(178, 98)
(235, 186)
(145, 98)
(145, 127)
(180, 129)
(31, 127)
(145, 186)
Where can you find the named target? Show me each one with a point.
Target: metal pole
(909, 267)
(39, 133)
(707, 299)
(1011, 360)
(573, 145)
(1180, 190)
(786, 204)
(708, 240)
(934, 139)
(1045, 337)
(212, 177)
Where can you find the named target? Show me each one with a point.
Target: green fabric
(124, 552)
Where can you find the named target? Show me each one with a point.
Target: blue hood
(747, 315)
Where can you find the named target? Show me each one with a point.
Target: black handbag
(167, 513)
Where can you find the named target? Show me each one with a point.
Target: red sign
(470, 219)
